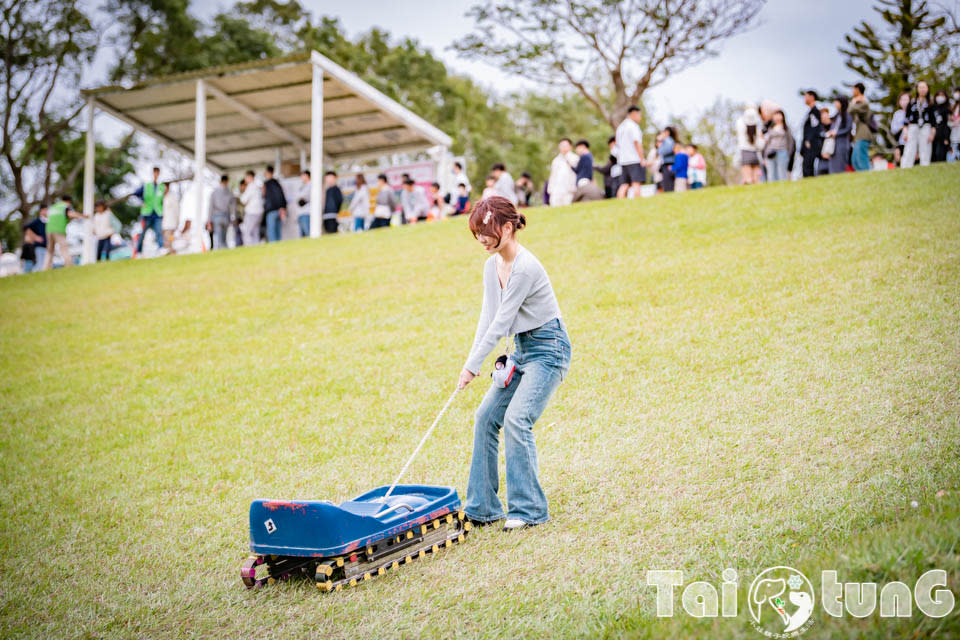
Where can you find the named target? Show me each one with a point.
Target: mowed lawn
(761, 376)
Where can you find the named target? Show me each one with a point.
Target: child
(698, 168)
(489, 189)
(463, 200)
(681, 163)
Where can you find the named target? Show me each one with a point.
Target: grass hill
(761, 376)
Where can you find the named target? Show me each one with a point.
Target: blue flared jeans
(542, 357)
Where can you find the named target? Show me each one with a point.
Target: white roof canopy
(255, 110)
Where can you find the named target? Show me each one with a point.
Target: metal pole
(316, 150)
(199, 158)
(278, 161)
(89, 167)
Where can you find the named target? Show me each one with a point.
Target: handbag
(829, 146)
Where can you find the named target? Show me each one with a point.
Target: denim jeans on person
(220, 222)
(359, 223)
(542, 357)
(303, 221)
(104, 247)
(152, 221)
(777, 166)
(274, 226)
(861, 155)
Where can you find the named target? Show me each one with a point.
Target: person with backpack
(919, 138)
(864, 128)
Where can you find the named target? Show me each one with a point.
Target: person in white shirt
(103, 230)
(360, 204)
(459, 177)
(303, 204)
(171, 214)
(252, 200)
(503, 185)
(563, 179)
(630, 154)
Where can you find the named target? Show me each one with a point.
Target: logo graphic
(781, 602)
(269, 524)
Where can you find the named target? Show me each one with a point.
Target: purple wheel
(248, 572)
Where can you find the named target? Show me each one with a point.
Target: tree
(603, 46)
(45, 47)
(914, 42)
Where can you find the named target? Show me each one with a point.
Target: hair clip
(486, 216)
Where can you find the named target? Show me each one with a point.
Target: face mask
(956, 96)
(941, 99)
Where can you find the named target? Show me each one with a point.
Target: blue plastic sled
(342, 545)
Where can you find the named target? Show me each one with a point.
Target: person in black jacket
(610, 171)
(275, 204)
(940, 114)
(812, 135)
(332, 201)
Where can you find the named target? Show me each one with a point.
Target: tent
(245, 115)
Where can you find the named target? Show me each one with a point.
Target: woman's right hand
(465, 377)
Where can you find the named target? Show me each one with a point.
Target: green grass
(761, 376)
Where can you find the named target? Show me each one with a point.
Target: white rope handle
(424, 439)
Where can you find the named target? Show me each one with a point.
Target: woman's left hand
(465, 377)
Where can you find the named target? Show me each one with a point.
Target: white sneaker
(512, 524)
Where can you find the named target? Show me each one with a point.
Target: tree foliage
(915, 41)
(601, 46)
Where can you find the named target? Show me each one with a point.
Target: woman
(171, 216)
(749, 143)
(385, 205)
(840, 129)
(940, 116)
(778, 148)
(518, 299)
(360, 204)
(898, 126)
(665, 149)
(919, 140)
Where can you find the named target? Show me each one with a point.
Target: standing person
(385, 204)
(503, 183)
(275, 205)
(332, 202)
(252, 200)
(681, 164)
(563, 178)
(898, 126)
(58, 214)
(698, 168)
(171, 215)
(812, 128)
(863, 133)
(665, 150)
(827, 143)
(584, 167)
(955, 126)
(33, 252)
(360, 204)
(303, 204)
(777, 148)
(518, 299)
(221, 211)
(610, 179)
(414, 202)
(629, 142)
(840, 129)
(151, 211)
(103, 229)
(940, 116)
(749, 144)
(919, 138)
(459, 177)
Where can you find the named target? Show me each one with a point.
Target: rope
(423, 440)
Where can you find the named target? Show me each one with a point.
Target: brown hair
(361, 180)
(490, 214)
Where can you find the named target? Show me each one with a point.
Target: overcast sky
(795, 46)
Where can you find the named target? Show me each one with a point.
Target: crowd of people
(832, 140)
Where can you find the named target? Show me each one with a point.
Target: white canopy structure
(245, 115)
